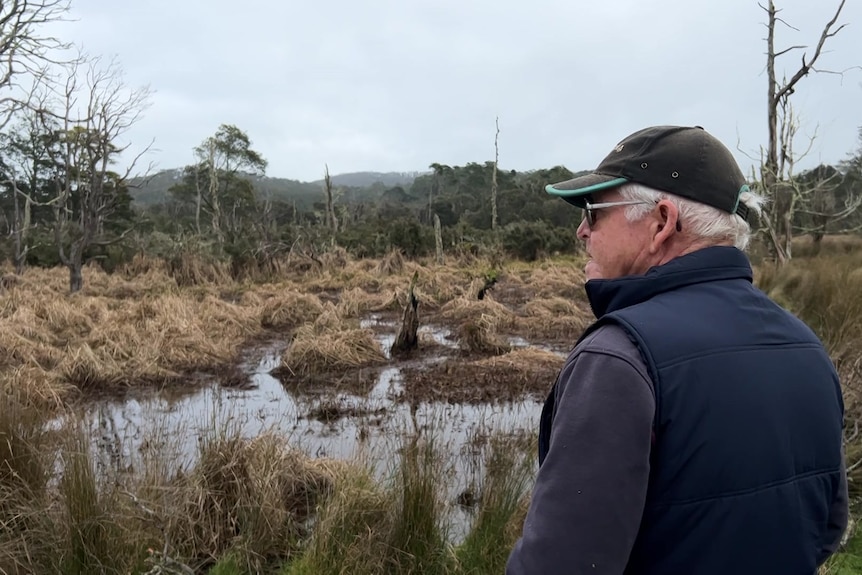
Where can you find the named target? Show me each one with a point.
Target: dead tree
(88, 192)
(407, 339)
(331, 222)
(438, 239)
(213, 189)
(777, 165)
(494, 177)
(22, 225)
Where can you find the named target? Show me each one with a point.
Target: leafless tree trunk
(776, 167)
(494, 177)
(331, 222)
(198, 200)
(438, 239)
(214, 190)
(20, 224)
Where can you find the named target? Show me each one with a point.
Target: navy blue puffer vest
(748, 426)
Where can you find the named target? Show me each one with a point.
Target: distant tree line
(62, 204)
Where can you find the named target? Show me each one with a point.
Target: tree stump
(407, 340)
(490, 282)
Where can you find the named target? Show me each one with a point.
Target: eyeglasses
(591, 217)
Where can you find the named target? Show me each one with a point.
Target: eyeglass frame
(591, 219)
(588, 207)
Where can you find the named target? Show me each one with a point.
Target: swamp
(171, 419)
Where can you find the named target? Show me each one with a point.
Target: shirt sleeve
(589, 494)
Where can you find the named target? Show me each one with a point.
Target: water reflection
(367, 427)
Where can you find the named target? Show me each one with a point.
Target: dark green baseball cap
(682, 160)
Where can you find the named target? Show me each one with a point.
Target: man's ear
(664, 224)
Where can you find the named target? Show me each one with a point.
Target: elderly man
(696, 427)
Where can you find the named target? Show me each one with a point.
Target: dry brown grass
(826, 293)
(192, 270)
(95, 341)
(355, 302)
(524, 363)
(554, 318)
(557, 280)
(479, 323)
(479, 335)
(465, 308)
(288, 309)
(329, 344)
(391, 264)
(256, 493)
(514, 376)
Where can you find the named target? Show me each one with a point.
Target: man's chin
(592, 271)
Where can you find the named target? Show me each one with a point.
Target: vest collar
(704, 265)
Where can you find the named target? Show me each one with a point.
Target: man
(696, 427)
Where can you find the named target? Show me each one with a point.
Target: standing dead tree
(21, 224)
(331, 221)
(407, 339)
(494, 176)
(24, 50)
(776, 169)
(88, 191)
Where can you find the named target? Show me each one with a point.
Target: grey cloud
(397, 85)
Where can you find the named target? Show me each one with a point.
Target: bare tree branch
(786, 50)
(24, 50)
(806, 66)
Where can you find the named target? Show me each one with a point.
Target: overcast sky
(394, 85)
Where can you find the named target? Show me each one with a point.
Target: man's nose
(583, 229)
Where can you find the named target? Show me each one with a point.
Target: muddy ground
(507, 347)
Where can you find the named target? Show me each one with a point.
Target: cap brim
(575, 190)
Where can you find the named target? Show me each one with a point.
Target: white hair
(700, 220)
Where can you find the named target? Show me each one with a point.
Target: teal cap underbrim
(574, 190)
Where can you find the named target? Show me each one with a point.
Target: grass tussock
(480, 336)
(189, 269)
(289, 309)
(551, 280)
(328, 345)
(356, 302)
(502, 507)
(396, 526)
(480, 323)
(463, 309)
(93, 538)
(391, 264)
(253, 496)
(554, 318)
(24, 460)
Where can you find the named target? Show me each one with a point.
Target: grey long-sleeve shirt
(589, 495)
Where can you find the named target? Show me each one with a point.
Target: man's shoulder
(613, 341)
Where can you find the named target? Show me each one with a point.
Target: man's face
(616, 246)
